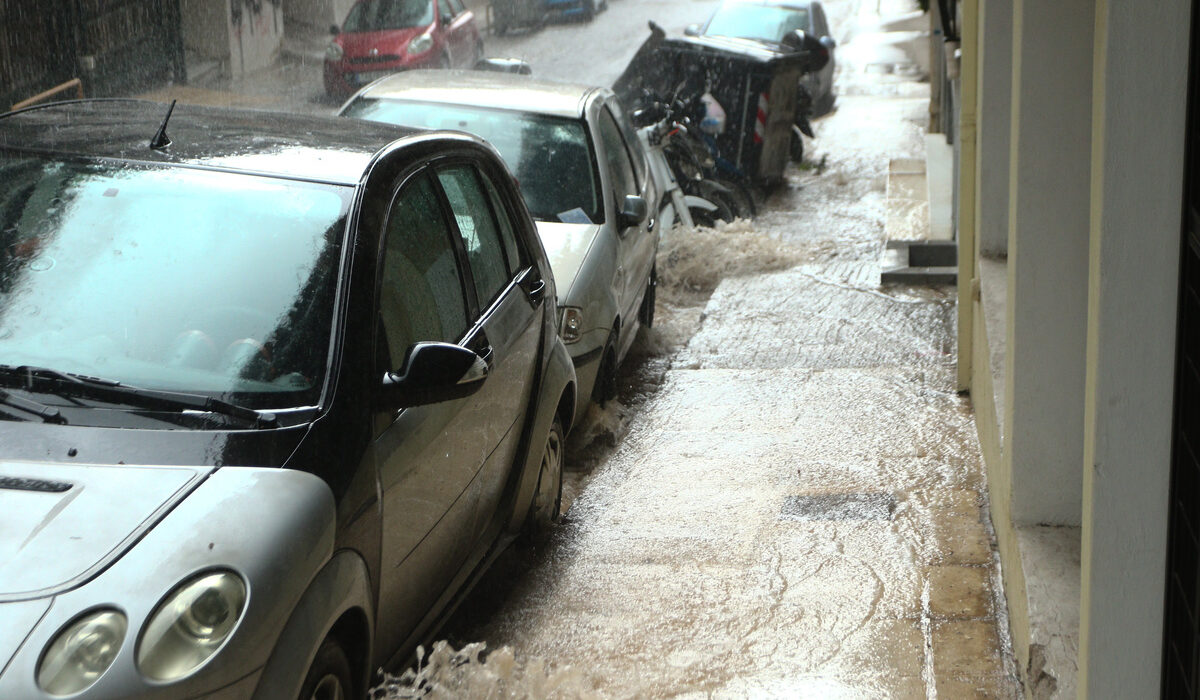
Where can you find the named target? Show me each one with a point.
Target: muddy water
(786, 500)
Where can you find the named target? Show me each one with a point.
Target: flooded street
(786, 499)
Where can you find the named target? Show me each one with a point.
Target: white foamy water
(476, 672)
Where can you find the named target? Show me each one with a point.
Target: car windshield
(762, 22)
(551, 157)
(378, 15)
(176, 279)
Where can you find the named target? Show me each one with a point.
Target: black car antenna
(161, 140)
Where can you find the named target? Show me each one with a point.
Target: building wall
(255, 34)
(204, 28)
(318, 14)
(1135, 229)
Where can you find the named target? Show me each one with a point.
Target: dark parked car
(274, 391)
(770, 21)
(380, 37)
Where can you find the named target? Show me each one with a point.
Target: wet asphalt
(787, 499)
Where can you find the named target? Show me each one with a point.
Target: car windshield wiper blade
(83, 386)
(48, 414)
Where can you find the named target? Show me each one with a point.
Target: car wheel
(589, 10)
(547, 498)
(329, 677)
(646, 314)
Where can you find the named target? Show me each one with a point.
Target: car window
(616, 158)
(477, 225)
(508, 237)
(763, 22)
(421, 294)
(458, 7)
(164, 278)
(637, 153)
(551, 157)
(445, 9)
(377, 15)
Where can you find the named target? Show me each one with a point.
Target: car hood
(60, 524)
(391, 42)
(566, 246)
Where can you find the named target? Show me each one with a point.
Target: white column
(1049, 182)
(1137, 177)
(993, 125)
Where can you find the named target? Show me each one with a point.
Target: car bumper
(586, 358)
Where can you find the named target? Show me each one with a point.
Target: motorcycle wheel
(797, 145)
(742, 197)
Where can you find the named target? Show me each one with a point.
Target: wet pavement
(787, 499)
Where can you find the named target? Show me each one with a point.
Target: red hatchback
(384, 36)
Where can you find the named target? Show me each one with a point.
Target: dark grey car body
(350, 511)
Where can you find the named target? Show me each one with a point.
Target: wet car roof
(484, 89)
(311, 148)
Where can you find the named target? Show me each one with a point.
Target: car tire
(330, 676)
(545, 510)
(589, 10)
(649, 299)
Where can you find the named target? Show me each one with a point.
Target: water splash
(475, 672)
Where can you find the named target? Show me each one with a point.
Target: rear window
(551, 157)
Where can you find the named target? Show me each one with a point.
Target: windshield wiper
(70, 384)
(48, 414)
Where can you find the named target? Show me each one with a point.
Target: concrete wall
(1049, 183)
(1135, 241)
(317, 13)
(255, 34)
(205, 28)
(994, 112)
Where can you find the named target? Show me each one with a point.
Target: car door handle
(536, 291)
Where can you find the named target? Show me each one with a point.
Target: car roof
(321, 149)
(789, 4)
(485, 89)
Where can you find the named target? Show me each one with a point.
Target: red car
(384, 36)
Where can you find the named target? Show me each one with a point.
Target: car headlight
(190, 625)
(81, 652)
(420, 44)
(334, 51)
(571, 325)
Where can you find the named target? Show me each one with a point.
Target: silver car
(585, 178)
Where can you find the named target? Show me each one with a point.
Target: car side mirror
(333, 29)
(633, 212)
(692, 30)
(814, 54)
(434, 372)
(828, 42)
(447, 18)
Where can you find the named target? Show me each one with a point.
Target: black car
(274, 391)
